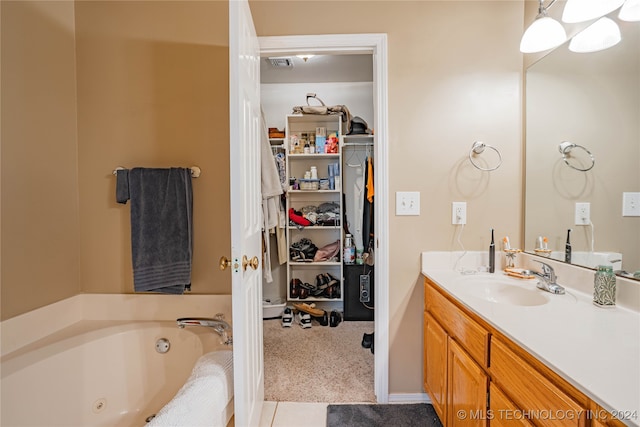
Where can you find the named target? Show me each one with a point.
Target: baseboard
(409, 398)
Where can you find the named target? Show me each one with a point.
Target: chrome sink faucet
(547, 280)
(218, 324)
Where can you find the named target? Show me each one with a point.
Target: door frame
(375, 44)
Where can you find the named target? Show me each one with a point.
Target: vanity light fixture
(544, 33)
(630, 11)
(600, 35)
(586, 10)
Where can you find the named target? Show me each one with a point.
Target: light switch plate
(630, 204)
(407, 203)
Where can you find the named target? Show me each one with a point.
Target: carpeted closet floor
(320, 364)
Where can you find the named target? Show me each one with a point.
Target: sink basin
(502, 291)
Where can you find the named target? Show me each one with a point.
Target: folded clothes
(297, 218)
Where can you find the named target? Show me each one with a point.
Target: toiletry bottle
(492, 254)
(604, 287)
(349, 250)
(567, 248)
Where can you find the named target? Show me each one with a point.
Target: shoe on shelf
(367, 340)
(304, 319)
(287, 318)
(294, 288)
(335, 318)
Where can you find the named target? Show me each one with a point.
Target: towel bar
(195, 171)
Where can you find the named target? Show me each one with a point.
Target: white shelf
(296, 165)
(314, 191)
(315, 264)
(315, 156)
(319, 227)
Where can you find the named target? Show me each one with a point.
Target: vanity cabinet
(455, 355)
(435, 364)
(477, 376)
(531, 391)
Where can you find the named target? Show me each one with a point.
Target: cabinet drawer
(471, 336)
(504, 412)
(543, 402)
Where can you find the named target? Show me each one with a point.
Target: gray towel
(122, 186)
(161, 229)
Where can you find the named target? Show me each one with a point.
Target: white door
(246, 214)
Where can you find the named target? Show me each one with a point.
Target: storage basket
(309, 184)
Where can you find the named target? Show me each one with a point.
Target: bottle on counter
(349, 252)
(604, 287)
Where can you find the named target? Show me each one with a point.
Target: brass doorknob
(253, 262)
(224, 262)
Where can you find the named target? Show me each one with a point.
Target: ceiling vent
(281, 61)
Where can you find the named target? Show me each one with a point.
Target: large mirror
(591, 101)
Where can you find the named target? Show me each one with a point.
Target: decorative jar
(604, 287)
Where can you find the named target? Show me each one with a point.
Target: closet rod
(195, 171)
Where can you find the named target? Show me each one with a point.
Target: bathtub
(100, 373)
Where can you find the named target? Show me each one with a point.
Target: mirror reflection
(583, 155)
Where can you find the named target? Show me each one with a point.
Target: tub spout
(219, 325)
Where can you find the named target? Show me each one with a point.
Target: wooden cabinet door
(435, 365)
(466, 389)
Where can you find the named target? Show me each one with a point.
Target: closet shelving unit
(320, 235)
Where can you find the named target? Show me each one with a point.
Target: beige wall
(454, 77)
(146, 96)
(86, 87)
(153, 92)
(40, 228)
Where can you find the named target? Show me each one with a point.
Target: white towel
(202, 399)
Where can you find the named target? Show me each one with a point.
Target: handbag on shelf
(327, 252)
(325, 110)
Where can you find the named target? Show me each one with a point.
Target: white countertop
(595, 349)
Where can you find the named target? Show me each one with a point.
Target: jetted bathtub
(101, 373)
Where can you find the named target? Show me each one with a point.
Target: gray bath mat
(399, 415)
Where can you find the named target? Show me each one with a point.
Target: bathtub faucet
(218, 324)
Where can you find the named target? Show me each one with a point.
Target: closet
(336, 80)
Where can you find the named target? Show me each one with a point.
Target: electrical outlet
(583, 214)
(365, 288)
(459, 213)
(407, 203)
(630, 204)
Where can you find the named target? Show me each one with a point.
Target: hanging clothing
(368, 209)
(358, 205)
(370, 190)
(271, 191)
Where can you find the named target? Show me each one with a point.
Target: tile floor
(292, 414)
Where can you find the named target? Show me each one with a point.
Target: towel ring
(477, 148)
(565, 148)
